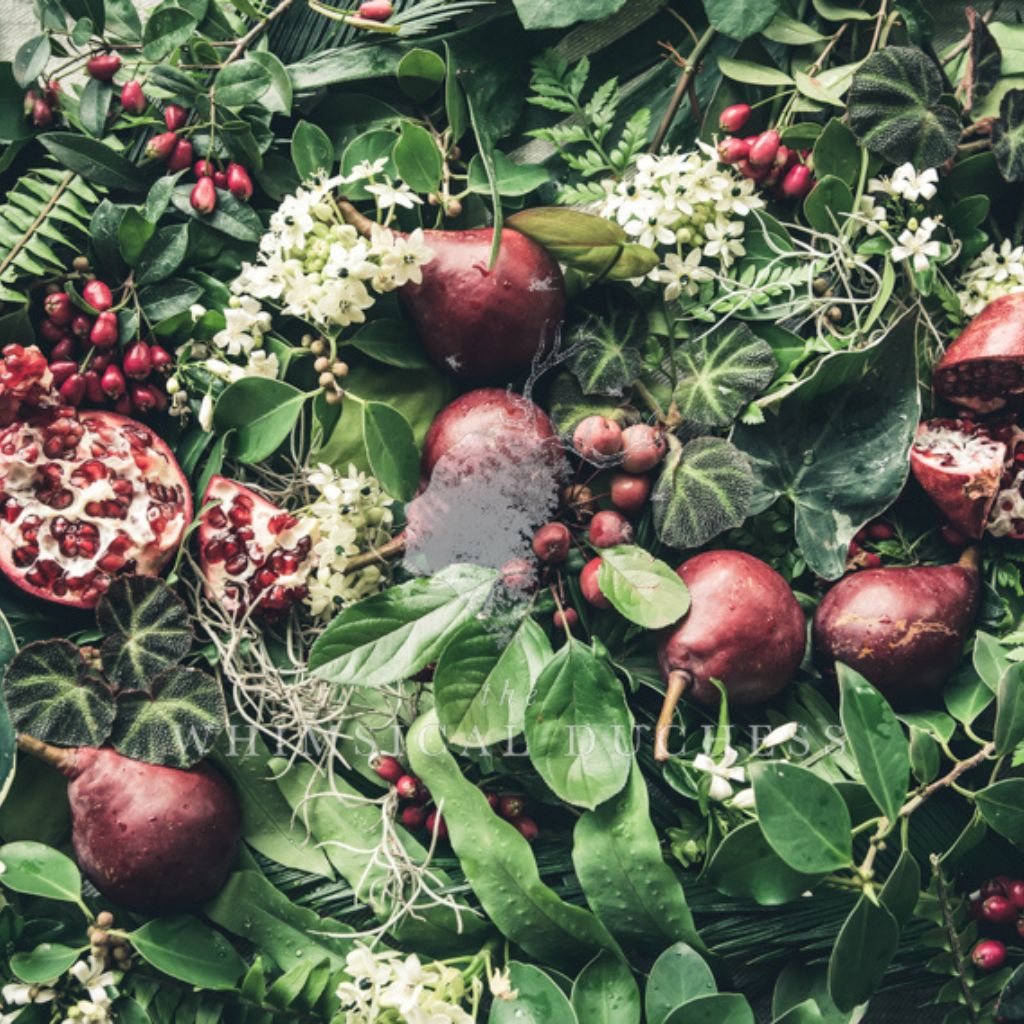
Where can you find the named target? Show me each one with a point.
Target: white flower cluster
(907, 183)
(320, 269)
(388, 987)
(725, 771)
(685, 203)
(351, 515)
(993, 273)
(92, 975)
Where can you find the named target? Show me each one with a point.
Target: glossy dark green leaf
(539, 14)
(262, 413)
(47, 962)
(168, 298)
(641, 587)
(862, 954)
(538, 999)
(391, 450)
(39, 870)
(1009, 731)
(803, 817)
(902, 888)
(750, 73)
(896, 108)
(511, 179)
(837, 154)
(393, 635)
(390, 341)
(94, 105)
(578, 727)
(705, 487)
(231, 217)
(133, 234)
(417, 158)
(94, 161)
(186, 949)
(147, 628)
(790, 32)
(806, 1012)
(241, 83)
(828, 205)
(420, 74)
(163, 255)
(581, 240)
(167, 28)
(30, 60)
(721, 1008)
(606, 992)
(740, 19)
(123, 20)
(312, 152)
(1010, 1005)
(52, 695)
(1002, 807)
(679, 975)
(925, 757)
(278, 96)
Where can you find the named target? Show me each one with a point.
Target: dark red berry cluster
(999, 903)
(42, 107)
(763, 158)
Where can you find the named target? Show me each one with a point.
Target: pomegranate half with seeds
(85, 497)
(255, 557)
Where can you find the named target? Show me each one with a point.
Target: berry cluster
(419, 813)
(86, 365)
(763, 158)
(998, 903)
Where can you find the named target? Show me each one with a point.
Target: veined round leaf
(168, 28)
(374, 145)
(186, 949)
(720, 372)
(642, 588)
(39, 870)
(147, 628)
(278, 97)
(836, 153)
(539, 999)
(678, 976)
(896, 109)
(828, 205)
(175, 723)
(163, 253)
(1008, 136)
(705, 487)
(51, 696)
(46, 963)
(740, 19)
(606, 992)
(420, 74)
(312, 151)
(721, 1008)
(605, 343)
(417, 158)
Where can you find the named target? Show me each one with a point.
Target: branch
(43, 214)
(681, 87)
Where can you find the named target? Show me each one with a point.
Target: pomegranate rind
(984, 367)
(127, 450)
(959, 466)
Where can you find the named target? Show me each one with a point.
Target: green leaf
(52, 696)
(391, 450)
(418, 158)
(744, 866)
(1009, 730)
(420, 74)
(133, 234)
(94, 105)
(538, 999)
(749, 73)
(876, 741)
(1002, 807)
(482, 686)
(983, 63)
(862, 954)
(803, 817)
(828, 205)
(806, 1012)
(722, 1008)
(147, 628)
(93, 160)
(167, 28)
(924, 755)
(163, 254)
(617, 856)
(837, 12)
(186, 949)
(539, 14)
(30, 60)
(902, 888)
(790, 32)
(578, 727)
(123, 20)
(175, 721)
(393, 635)
(836, 153)
(605, 344)
(606, 993)
(168, 299)
(38, 870)
(740, 19)
(642, 588)
(390, 341)
(232, 217)
(241, 83)
(581, 240)
(1008, 136)
(719, 373)
(454, 98)
(678, 976)
(705, 487)
(511, 179)
(262, 413)
(44, 964)
(896, 108)
(312, 152)
(371, 146)
(278, 97)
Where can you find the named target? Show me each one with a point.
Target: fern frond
(45, 218)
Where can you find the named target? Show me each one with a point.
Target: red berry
(880, 531)
(413, 816)
(124, 406)
(161, 146)
(551, 543)
(58, 308)
(388, 768)
(72, 391)
(113, 382)
(733, 118)
(137, 361)
(103, 66)
(527, 828)
(52, 93)
(50, 331)
(204, 196)
(764, 148)
(732, 150)
(998, 885)
(644, 447)
(98, 295)
(436, 825)
(203, 169)
(797, 182)
(629, 492)
(988, 955)
(597, 438)
(408, 787)
(93, 388)
(42, 113)
(610, 528)
(65, 348)
(100, 361)
(104, 331)
(589, 586)
(146, 398)
(175, 117)
(998, 910)
(565, 619)
(748, 170)
(81, 326)
(220, 179)
(61, 369)
(376, 10)
(511, 805)
(160, 357)
(239, 182)
(181, 156)
(133, 99)
(1015, 893)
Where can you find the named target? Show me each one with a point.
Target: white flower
(365, 169)
(913, 185)
(722, 773)
(743, 800)
(681, 276)
(779, 735)
(206, 412)
(405, 258)
(262, 364)
(389, 194)
(94, 976)
(917, 246)
(871, 214)
(89, 1011)
(196, 312)
(18, 994)
(500, 984)
(993, 273)
(723, 241)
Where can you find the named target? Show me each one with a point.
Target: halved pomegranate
(254, 556)
(25, 379)
(984, 367)
(85, 497)
(959, 464)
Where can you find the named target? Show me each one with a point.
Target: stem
(57, 757)
(681, 86)
(352, 216)
(29, 233)
(958, 769)
(393, 548)
(954, 938)
(254, 33)
(679, 681)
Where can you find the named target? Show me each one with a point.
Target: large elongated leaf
(740, 19)
(862, 954)
(705, 487)
(94, 161)
(186, 949)
(538, 14)
(896, 108)
(52, 696)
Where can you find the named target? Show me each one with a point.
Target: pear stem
(678, 682)
(358, 220)
(971, 558)
(57, 757)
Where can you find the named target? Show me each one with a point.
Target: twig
(256, 31)
(43, 214)
(958, 769)
(681, 86)
(392, 549)
(954, 938)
